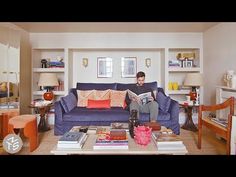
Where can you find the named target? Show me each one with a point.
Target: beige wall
(25, 70)
(219, 53)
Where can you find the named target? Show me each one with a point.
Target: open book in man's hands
(141, 98)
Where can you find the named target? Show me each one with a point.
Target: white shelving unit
(52, 54)
(178, 73)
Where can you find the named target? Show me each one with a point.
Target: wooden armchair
(224, 132)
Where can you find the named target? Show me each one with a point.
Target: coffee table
(134, 149)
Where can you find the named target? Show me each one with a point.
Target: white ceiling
(60, 27)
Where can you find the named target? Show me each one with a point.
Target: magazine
(222, 122)
(143, 98)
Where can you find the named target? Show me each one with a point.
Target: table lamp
(194, 80)
(48, 80)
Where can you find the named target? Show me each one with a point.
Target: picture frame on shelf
(104, 67)
(187, 64)
(128, 67)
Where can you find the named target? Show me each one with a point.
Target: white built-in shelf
(180, 69)
(54, 92)
(178, 92)
(41, 70)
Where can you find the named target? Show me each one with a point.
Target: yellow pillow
(118, 98)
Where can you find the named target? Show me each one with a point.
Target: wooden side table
(189, 125)
(43, 111)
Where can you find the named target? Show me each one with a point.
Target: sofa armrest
(59, 111)
(174, 110)
(174, 116)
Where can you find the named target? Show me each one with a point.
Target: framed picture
(104, 67)
(128, 66)
(187, 63)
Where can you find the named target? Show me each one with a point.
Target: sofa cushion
(152, 85)
(102, 94)
(95, 86)
(163, 101)
(69, 102)
(102, 104)
(82, 114)
(83, 96)
(118, 98)
(124, 86)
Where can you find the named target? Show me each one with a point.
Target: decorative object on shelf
(104, 67)
(148, 62)
(48, 80)
(133, 122)
(230, 79)
(187, 63)
(174, 63)
(44, 63)
(175, 86)
(170, 86)
(183, 56)
(85, 62)
(194, 80)
(142, 135)
(128, 67)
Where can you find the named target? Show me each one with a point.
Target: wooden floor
(210, 144)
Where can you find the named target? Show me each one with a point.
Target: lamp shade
(48, 79)
(193, 79)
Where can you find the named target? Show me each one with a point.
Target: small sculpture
(44, 63)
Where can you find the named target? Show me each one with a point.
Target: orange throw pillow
(118, 98)
(99, 104)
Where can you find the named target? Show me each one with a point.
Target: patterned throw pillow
(102, 94)
(84, 95)
(118, 98)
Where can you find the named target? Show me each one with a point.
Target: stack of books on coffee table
(109, 140)
(168, 142)
(72, 140)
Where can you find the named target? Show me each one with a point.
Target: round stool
(6, 116)
(29, 124)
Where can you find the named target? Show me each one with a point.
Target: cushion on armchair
(163, 101)
(69, 102)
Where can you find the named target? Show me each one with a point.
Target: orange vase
(48, 96)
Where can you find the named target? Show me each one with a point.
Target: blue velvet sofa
(168, 109)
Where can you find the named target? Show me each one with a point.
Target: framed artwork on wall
(128, 67)
(104, 67)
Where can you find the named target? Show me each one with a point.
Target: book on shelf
(220, 121)
(143, 98)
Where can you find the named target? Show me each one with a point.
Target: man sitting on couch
(135, 104)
